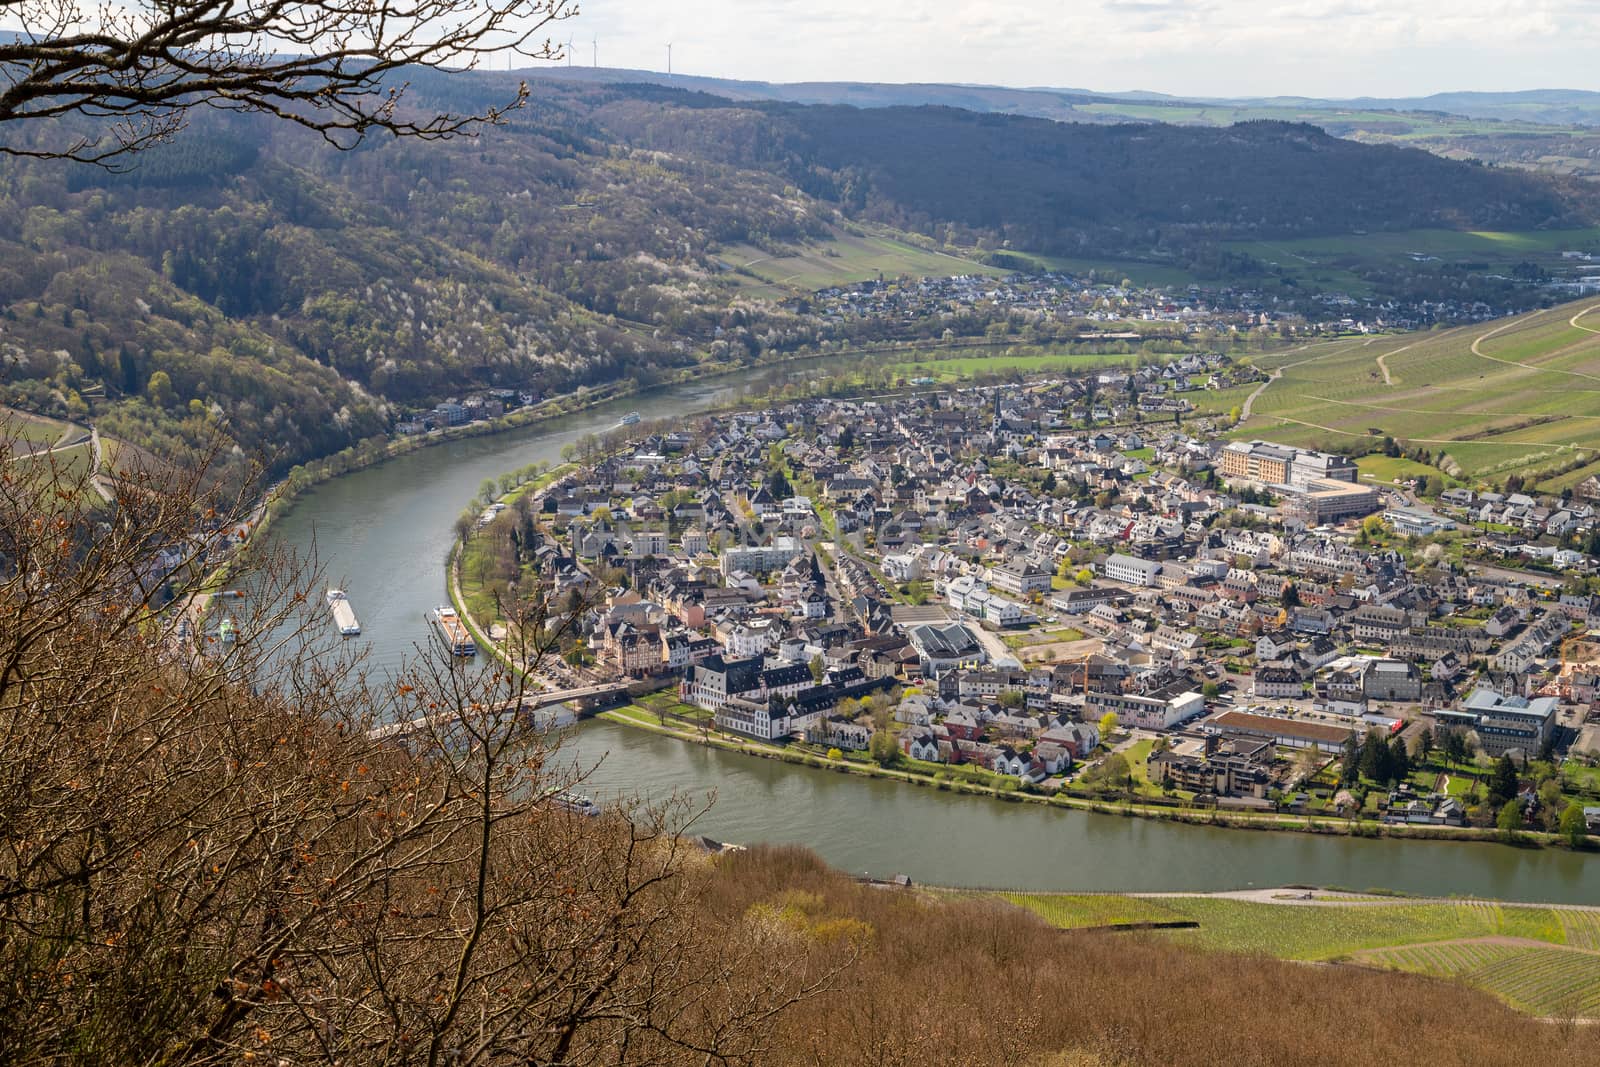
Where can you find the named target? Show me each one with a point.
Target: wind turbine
(596, 46)
(669, 59)
(569, 51)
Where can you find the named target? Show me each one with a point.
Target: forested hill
(251, 279)
(1050, 186)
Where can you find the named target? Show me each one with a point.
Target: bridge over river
(529, 704)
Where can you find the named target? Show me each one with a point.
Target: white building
(1122, 568)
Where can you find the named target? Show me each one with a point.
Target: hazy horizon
(1205, 48)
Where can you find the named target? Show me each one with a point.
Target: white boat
(629, 419)
(574, 802)
(344, 616)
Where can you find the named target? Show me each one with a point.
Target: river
(382, 534)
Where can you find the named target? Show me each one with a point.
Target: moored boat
(456, 635)
(344, 616)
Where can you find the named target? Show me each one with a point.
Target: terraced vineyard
(1520, 396)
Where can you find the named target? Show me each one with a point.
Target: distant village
(972, 579)
(1094, 302)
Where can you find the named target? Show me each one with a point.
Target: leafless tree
(208, 854)
(338, 67)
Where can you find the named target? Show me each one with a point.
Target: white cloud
(1193, 47)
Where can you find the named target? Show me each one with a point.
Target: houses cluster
(1099, 306)
(987, 580)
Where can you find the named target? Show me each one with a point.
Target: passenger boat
(456, 635)
(630, 419)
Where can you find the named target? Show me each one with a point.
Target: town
(978, 585)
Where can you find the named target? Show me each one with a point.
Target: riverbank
(977, 782)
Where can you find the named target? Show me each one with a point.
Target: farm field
(1377, 125)
(1070, 911)
(1517, 396)
(1337, 262)
(1538, 959)
(847, 257)
(1536, 979)
(961, 367)
(1136, 271)
(1322, 931)
(28, 433)
(74, 462)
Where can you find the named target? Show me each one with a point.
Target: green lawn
(1386, 469)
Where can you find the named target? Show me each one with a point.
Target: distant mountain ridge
(1556, 107)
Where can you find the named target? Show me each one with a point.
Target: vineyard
(1543, 981)
(1093, 909)
(1538, 959)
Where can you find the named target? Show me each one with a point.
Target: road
(1478, 351)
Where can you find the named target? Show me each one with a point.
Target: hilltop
(1549, 130)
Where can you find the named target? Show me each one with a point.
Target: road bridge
(527, 704)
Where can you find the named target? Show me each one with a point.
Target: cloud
(1185, 47)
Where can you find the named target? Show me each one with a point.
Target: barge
(344, 616)
(456, 635)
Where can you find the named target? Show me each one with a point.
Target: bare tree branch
(338, 67)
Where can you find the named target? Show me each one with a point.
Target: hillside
(1057, 188)
(1551, 131)
(301, 299)
(1519, 397)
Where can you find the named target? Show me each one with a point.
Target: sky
(1324, 48)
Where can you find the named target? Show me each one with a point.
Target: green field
(28, 433)
(1339, 262)
(961, 367)
(1517, 396)
(1538, 959)
(1322, 931)
(1385, 469)
(1071, 911)
(73, 463)
(847, 257)
(1110, 270)
(1377, 125)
